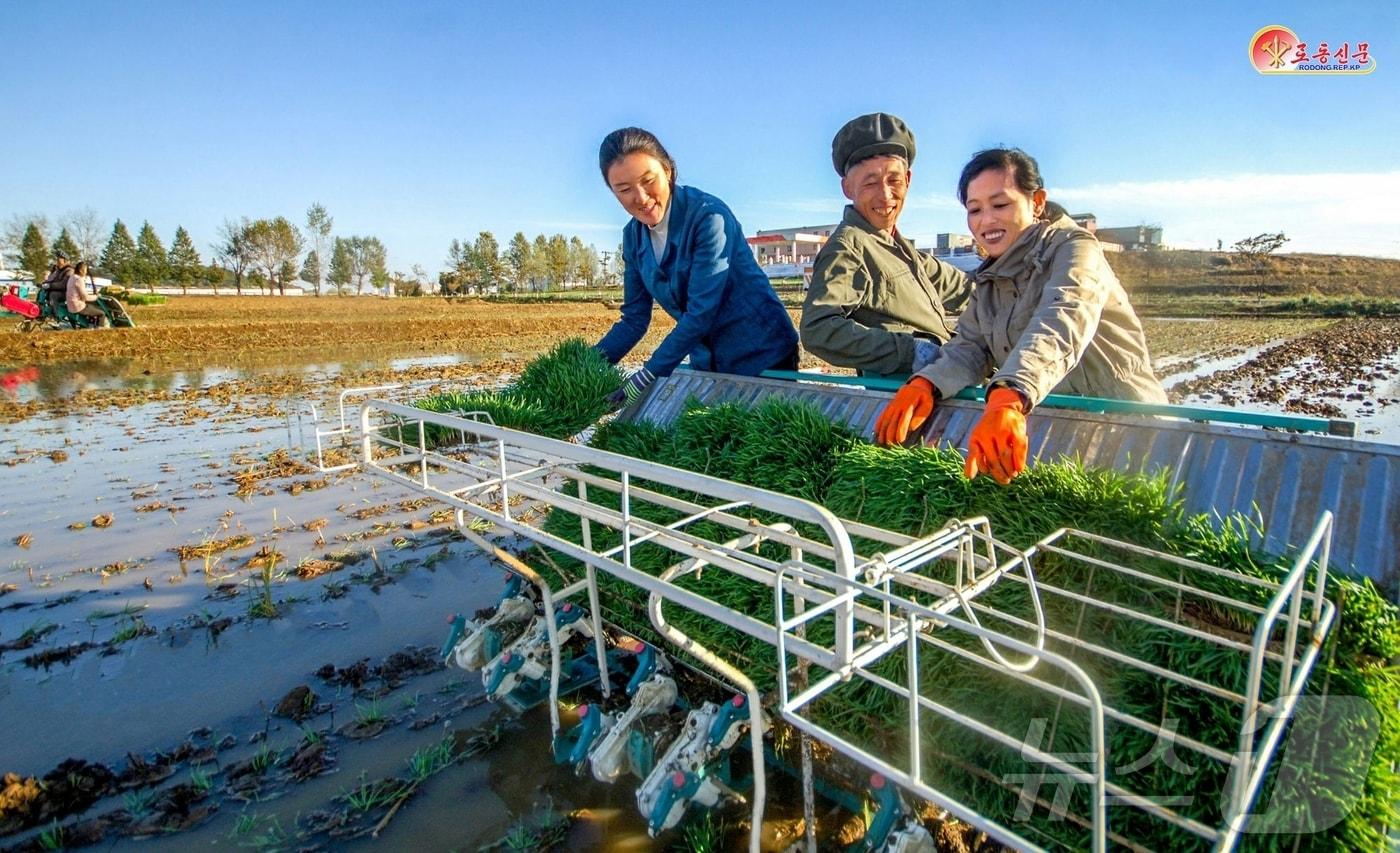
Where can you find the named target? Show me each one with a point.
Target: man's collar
(853, 218)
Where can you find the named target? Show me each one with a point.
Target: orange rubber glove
(998, 445)
(910, 407)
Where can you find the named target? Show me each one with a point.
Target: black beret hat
(870, 136)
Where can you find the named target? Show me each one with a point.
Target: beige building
(783, 252)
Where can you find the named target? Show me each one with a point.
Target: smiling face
(642, 185)
(876, 188)
(998, 210)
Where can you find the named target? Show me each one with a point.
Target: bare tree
(12, 236)
(87, 231)
(1256, 251)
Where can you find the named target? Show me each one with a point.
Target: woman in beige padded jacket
(1047, 315)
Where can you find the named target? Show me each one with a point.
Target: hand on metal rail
(910, 407)
(632, 388)
(998, 443)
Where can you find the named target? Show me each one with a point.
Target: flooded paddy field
(205, 641)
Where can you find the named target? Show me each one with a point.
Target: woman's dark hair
(633, 140)
(81, 268)
(1018, 164)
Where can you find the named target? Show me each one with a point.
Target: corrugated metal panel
(1284, 479)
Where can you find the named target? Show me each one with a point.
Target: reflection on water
(67, 379)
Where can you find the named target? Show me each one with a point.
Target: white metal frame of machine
(919, 596)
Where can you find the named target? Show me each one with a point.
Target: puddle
(64, 380)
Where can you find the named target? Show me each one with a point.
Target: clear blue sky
(438, 120)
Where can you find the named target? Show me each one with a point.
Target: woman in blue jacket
(685, 251)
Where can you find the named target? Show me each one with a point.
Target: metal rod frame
(864, 600)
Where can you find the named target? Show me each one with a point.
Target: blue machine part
(572, 747)
(510, 662)
(646, 665)
(731, 712)
(457, 629)
(567, 614)
(888, 812)
(514, 586)
(683, 786)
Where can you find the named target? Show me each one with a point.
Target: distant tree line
(268, 254)
(262, 253)
(545, 263)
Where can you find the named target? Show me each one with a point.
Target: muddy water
(63, 380)
(166, 653)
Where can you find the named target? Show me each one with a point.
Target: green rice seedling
(52, 838)
(704, 835)
(369, 713)
(34, 633)
(262, 606)
(265, 759)
(138, 803)
(128, 611)
(134, 627)
(369, 796)
(557, 395)
(272, 837)
(201, 780)
(429, 760)
(244, 825)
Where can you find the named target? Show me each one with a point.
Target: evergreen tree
(517, 260)
(311, 270)
(150, 257)
(183, 261)
(342, 264)
(68, 246)
(119, 256)
(34, 253)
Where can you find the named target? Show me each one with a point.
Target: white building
(783, 252)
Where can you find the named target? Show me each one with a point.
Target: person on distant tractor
(54, 286)
(685, 250)
(876, 303)
(78, 301)
(1047, 315)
